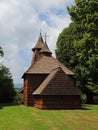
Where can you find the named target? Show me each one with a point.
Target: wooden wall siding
(31, 83)
(38, 103)
(25, 91)
(35, 81)
(57, 102)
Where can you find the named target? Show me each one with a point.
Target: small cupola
(45, 50)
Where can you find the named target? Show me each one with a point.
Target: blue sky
(20, 24)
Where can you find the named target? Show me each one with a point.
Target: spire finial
(40, 31)
(45, 36)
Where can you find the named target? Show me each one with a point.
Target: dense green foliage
(7, 91)
(1, 51)
(77, 46)
(66, 51)
(13, 117)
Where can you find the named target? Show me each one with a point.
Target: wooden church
(48, 84)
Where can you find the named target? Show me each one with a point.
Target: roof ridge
(61, 65)
(56, 68)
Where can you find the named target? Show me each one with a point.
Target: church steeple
(37, 48)
(45, 50)
(40, 48)
(39, 44)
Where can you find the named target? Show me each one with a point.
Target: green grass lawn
(14, 117)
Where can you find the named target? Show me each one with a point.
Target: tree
(84, 60)
(7, 92)
(1, 51)
(65, 51)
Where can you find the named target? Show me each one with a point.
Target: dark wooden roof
(39, 43)
(57, 83)
(45, 64)
(45, 49)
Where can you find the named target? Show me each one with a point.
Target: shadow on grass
(2, 105)
(86, 107)
(83, 106)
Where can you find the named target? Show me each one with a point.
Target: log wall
(57, 102)
(31, 83)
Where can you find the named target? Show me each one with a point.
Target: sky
(21, 22)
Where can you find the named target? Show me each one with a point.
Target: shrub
(18, 98)
(7, 91)
(83, 98)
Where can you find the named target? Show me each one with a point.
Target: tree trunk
(90, 99)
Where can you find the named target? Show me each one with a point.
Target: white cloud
(44, 5)
(20, 24)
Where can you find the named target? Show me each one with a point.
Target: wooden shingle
(39, 43)
(45, 49)
(45, 64)
(57, 83)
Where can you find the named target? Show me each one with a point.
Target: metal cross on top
(45, 36)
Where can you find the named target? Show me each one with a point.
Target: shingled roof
(45, 49)
(39, 43)
(45, 64)
(57, 83)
